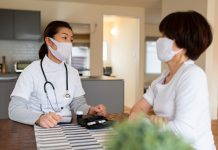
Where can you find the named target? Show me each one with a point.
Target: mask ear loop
(54, 42)
(178, 51)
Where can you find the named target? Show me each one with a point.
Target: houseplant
(142, 135)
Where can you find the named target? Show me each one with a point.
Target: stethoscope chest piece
(67, 96)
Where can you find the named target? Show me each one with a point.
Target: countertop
(8, 76)
(99, 78)
(13, 76)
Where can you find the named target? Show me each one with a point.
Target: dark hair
(50, 31)
(190, 30)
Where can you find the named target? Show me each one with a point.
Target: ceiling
(152, 7)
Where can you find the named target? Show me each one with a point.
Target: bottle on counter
(4, 67)
(0, 68)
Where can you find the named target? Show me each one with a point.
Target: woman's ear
(48, 41)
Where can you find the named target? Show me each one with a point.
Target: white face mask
(63, 50)
(165, 50)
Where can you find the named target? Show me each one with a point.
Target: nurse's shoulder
(32, 69)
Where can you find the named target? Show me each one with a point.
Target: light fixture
(114, 31)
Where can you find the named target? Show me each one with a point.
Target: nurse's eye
(65, 38)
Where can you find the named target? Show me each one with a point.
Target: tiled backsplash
(18, 50)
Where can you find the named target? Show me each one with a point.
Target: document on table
(71, 137)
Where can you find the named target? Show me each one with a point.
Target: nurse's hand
(98, 110)
(48, 120)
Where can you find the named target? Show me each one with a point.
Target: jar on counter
(0, 67)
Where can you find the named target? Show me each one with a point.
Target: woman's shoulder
(192, 73)
(32, 68)
(193, 70)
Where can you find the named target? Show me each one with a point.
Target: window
(80, 58)
(152, 65)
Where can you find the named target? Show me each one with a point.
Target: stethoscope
(47, 83)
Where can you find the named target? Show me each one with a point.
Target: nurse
(48, 89)
(179, 97)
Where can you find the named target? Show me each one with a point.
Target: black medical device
(94, 122)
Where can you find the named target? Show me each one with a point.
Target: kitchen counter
(99, 90)
(104, 90)
(11, 76)
(8, 76)
(99, 78)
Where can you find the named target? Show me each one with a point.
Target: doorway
(121, 46)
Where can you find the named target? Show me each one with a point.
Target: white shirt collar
(166, 72)
(189, 61)
(50, 66)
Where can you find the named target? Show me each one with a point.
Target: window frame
(150, 38)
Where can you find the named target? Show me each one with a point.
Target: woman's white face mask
(63, 50)
(165, 50)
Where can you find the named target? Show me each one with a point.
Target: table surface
(14, 135)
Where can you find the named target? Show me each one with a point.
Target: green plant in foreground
(141, 135)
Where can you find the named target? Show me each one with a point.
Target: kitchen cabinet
(6, 87)
(20, 25)
(105, 90)
(6, 24)
(26, 25)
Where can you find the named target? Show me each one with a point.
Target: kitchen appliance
(107, 71)
(21, 65)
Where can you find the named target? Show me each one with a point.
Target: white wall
(87, 13)
(208, 61)
(215, 101)
(108, 38)
(124, 47)
(211, 57)
(152, 30)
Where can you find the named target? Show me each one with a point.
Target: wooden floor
(214, 124)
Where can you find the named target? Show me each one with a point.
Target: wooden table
(17, 136)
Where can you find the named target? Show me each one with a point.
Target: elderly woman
(179, 97)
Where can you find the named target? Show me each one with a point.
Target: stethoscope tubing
(49, 83)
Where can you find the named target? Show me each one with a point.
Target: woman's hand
(48, 120)
(98, 110)
(161, 121)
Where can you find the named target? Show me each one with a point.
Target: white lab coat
(30, 86)
(184, 101)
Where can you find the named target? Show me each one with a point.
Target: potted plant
(143, 135)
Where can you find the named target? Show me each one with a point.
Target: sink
(8, 76)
